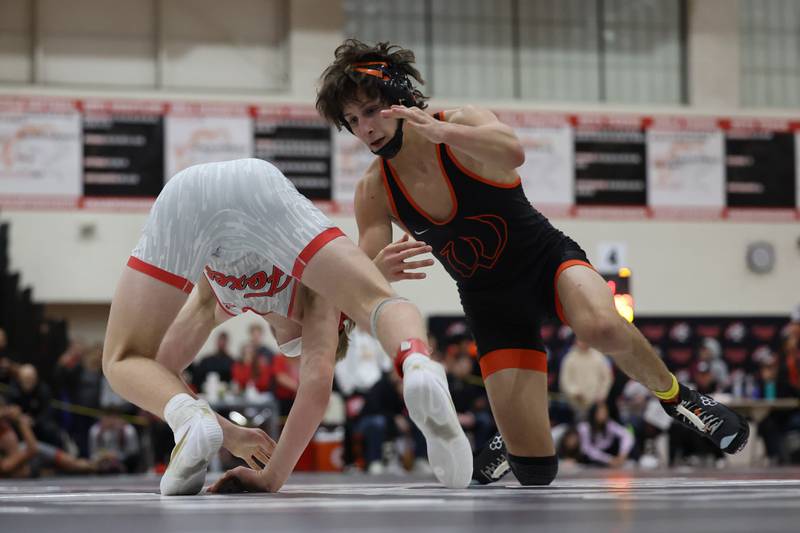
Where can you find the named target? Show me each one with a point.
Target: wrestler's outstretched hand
(393, 262)
(240, 479)
(251, 445)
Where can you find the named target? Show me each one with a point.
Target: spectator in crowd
(27, 458)
(382, 420)
(256, 341)
(286, 375)
(789, 357)
(710, 352)
(8, 375)
(219, 362)
(78, 380)
(604, 442)
(253, 369)
(470, 399)
(15, 456)
(569, 448)
(5, 353)
(363, 364)
(8, 368)
(362, 367)
(34, 398)
(114, 444)
(631, 406)
(585, 377)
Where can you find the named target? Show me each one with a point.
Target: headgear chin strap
(397, 90)
(390, 149)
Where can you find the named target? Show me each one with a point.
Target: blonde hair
(344, 339)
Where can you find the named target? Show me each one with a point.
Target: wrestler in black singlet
(502, 253)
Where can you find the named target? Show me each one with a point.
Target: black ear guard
(394, 84)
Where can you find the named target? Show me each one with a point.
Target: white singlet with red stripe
(240, 223)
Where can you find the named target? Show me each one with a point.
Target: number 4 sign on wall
(611, 256)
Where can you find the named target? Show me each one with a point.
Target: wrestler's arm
(479, 134)
(375, 232)
(472, 131)
(186, 335)
(190, 329)
(320, 324)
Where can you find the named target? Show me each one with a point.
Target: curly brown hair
(340, 85)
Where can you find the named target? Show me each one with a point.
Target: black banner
(760, 168)
(610, 166)
(123, 153)
(300, 146)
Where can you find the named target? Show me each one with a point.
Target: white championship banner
(685, 165)
(40, 148)
(201, 133)
(549, 169)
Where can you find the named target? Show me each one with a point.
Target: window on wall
(642, 53)
(566, 50)
(770, 53)
(177, 44)
(400, 23)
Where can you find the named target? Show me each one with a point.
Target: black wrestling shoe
(491, 464)
(705, 416)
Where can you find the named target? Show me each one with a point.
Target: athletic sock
(407, 348)
(175, 412)
(669, 395)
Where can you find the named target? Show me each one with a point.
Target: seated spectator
(363, 364)
(220, 362)
(28, 458)
(383, 419)
(252, 370)
(8, 375)
(568, 448)
(604, 442)
(78, 380)
(114, 445)
(256, 341)
(710, 352)
(286, 376)
(470, 400)
(34, 397)
(585, 377)
(5, 353)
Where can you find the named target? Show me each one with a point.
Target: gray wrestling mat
(593, 501)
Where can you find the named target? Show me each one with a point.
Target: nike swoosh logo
(421, 232)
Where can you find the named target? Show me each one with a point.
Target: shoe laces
(702, 419)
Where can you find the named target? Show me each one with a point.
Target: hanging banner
(297, 141)
(610, 164)
(40, 148)
(205, 133)
(685, 165)
(760, 164)
(547, 174)
(123, 148)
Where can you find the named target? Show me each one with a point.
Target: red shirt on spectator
(257, 371)
(282, 365)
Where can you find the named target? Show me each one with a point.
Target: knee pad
(534, 470)
(376, 311)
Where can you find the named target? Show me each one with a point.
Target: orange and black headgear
(396, 88)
